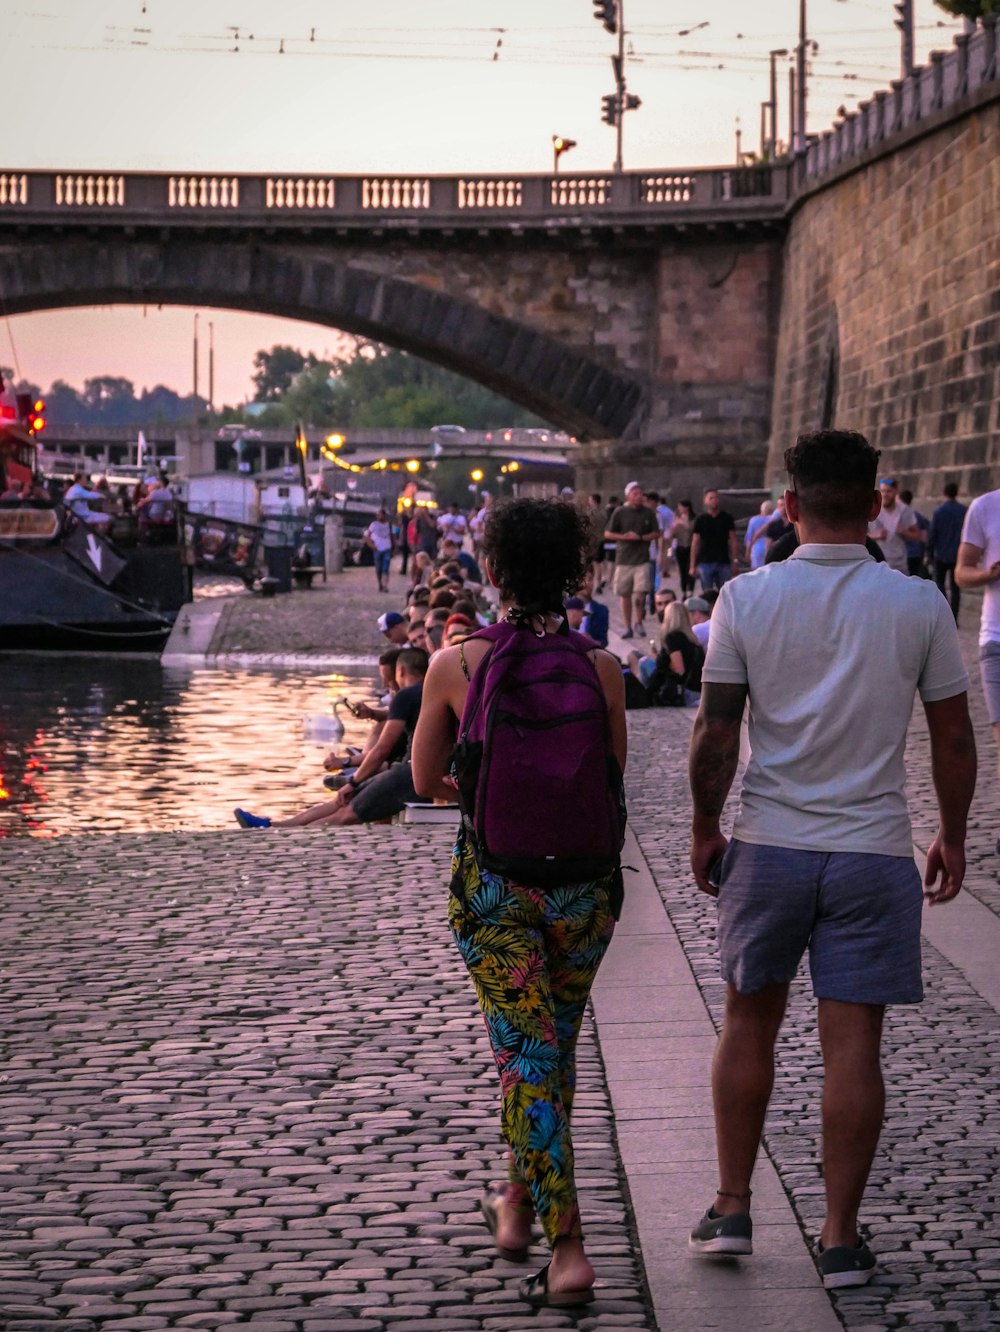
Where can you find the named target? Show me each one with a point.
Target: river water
(91, 744)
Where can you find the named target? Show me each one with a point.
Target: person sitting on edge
(451, 550)
(394, 627)
(597, 619)
(700, 610)
(673, 676)
(370, 796)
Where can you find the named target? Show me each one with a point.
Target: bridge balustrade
(970, 66)
(13, 188)
(305, 192)
(85, 191)
(203, 192)
(490, 193)
(389, 193)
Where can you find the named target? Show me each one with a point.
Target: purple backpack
(537, 777)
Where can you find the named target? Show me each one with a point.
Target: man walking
(893, 527)
(943, 539)
(979, 566)
(632, 526)
(715, 547)
(831, 647)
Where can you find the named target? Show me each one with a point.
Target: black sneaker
(722, 1234)
(628, 634)
(842, 1266)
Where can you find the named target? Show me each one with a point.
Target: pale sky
(415, 85)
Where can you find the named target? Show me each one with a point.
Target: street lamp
(560, 145)
(476, 474)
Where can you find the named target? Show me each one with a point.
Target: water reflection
(124, 746)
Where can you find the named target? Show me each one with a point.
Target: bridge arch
(529, 367)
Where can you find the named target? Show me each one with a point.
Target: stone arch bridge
(637, 308)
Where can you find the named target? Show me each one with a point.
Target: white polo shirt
(834, 647)
(982, 529)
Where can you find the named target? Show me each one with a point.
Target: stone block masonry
(890, 319)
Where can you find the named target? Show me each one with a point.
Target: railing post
(348, 196)
(535, 195)
(252, 194)
(937, 74)
(962, 62)
(443, 196)
(624, 192)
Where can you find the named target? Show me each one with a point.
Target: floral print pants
(533, 954)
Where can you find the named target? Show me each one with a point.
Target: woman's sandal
(535, 1290)
(488, 1205)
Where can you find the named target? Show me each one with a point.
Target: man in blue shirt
(943, 539)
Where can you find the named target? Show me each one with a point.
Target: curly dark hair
(833, 473)
(537, 550)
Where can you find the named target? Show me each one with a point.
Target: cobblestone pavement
(932, 1208)
(336, 616)
(245, 1082)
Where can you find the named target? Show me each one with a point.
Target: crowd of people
(96, 505)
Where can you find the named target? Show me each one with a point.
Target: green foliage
(276, 370)
(381, 386)
(970, 9)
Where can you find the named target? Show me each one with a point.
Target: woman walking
(681, 534)
(532, 945)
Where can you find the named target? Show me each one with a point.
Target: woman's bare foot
(570, 1269)
(513, 1224)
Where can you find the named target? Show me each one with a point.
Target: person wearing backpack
(526, 719)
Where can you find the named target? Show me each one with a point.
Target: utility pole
(773, 142)
(800, 82)
(739, 142)
(904, 22)
(611, 15)
(620, 72)
(194, 350)
(211, 366)
(791, 108)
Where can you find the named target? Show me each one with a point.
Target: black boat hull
(49, 603)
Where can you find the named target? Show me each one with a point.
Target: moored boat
(69, 585)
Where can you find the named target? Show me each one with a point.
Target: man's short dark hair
(833, 473)
(389, 657)
(951, 490)
(415, 660)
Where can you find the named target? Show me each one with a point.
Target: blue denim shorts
(857, 914)
(989, 670)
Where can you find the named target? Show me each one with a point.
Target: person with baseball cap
(394, 626)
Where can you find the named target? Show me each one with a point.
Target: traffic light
(904, 15)
(609, 108)
(632, 103)
(36, 418)
(561, 145)
(606, 12)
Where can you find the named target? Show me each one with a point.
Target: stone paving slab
(245, 1082)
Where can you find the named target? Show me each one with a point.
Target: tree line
(373, 385)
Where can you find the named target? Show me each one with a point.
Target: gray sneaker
(843, 1266)
(722, 1234)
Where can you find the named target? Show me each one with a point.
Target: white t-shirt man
(893, 545)
(982, 528)
(453, 525)
(380, 535)
(833, 648)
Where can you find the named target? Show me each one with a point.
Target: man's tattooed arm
(715, 747)
(715, 755)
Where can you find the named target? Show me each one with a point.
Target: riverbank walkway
(245, 1083)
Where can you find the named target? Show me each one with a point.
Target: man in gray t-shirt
(831, 649)
(895, 525)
